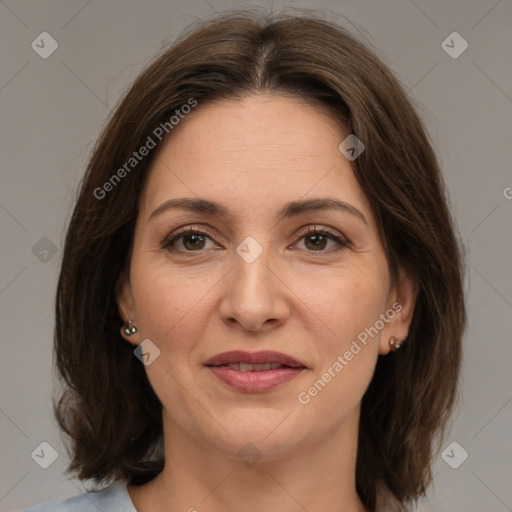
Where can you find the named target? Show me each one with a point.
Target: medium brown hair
(107, 406)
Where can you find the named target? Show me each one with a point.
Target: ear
(125, 306)
(401, 301)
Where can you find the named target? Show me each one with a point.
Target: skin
(253, 155)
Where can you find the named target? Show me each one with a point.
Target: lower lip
(254, 382)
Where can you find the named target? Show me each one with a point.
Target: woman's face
(255, 278)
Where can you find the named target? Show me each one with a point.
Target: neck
(319, 476)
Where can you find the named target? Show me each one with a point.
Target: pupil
(196, 237)
(319, 239)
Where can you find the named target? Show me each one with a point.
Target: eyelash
(168, 243)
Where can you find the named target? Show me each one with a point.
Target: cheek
(348, 306)
(170, 309)
(346, 303)
(347, 355)
(170, 304)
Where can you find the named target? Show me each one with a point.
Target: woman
(262, 225)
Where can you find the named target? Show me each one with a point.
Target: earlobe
(403, 300)
(394, 343)
(124, 299)
(128, 331)
(129, 328)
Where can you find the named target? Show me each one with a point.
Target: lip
(254, 381)
(261, 357)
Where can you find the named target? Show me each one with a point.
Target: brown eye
(317, 240)
(186, 240)
(193, 241)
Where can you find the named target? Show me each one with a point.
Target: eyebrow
(288, 210)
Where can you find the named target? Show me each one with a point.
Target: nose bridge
(253, 294)
(251, 268)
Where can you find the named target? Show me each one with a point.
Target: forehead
(254, 153)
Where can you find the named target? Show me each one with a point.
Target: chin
(264, 437)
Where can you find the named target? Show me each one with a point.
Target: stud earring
(129, 328)
(394, 343)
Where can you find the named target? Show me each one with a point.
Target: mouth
(254, 372)
(254, 361)
(248, 367)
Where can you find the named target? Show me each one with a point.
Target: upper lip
(264, 356)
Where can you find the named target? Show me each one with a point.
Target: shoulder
(114, 498)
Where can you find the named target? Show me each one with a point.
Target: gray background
(52, 110)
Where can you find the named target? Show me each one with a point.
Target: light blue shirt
(114, 498)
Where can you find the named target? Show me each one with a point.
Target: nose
(255, 296)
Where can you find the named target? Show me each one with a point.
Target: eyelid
(168, 239)
(341, 240)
